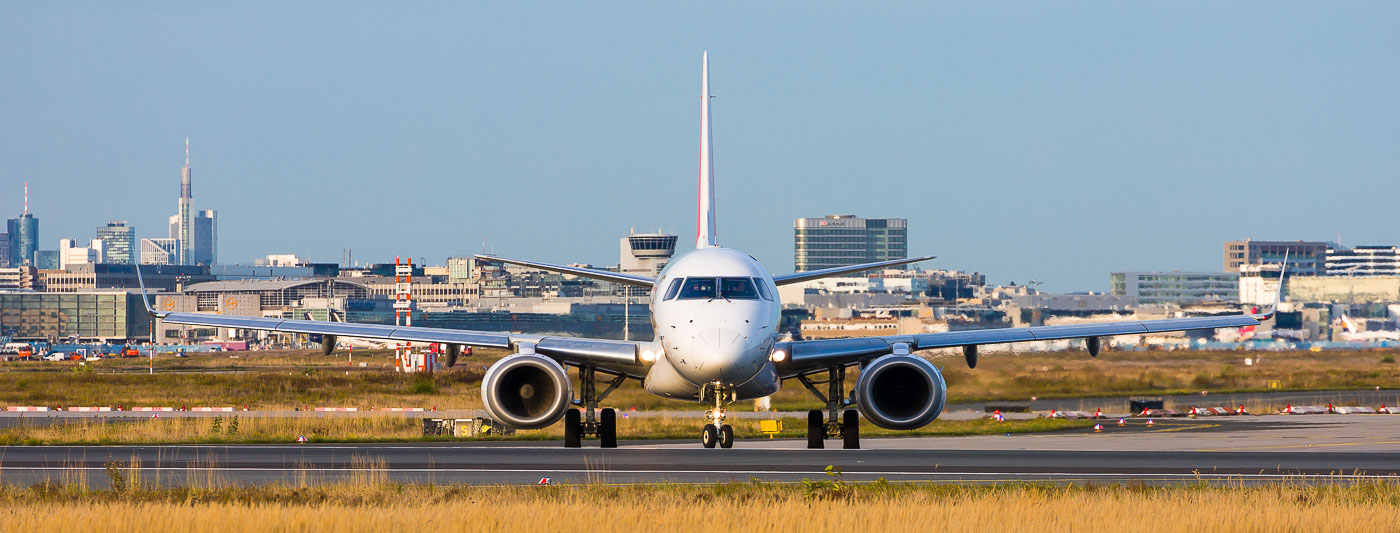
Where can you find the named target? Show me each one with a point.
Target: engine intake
(900, 392)
(526, 391)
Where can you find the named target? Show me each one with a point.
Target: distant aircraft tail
(705, 208)
(1347, 326)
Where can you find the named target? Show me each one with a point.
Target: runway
(1314, 448)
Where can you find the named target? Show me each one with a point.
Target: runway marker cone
(1150, 423)
(1383, 409)
(157, 415)
(301, 439)
(1288, 408)
(1052, 413)
(1122, 422)
(998, 417)
(543, 481)
(1098, 428)
(1241, 410)
(1330, 409)
(1098, 413)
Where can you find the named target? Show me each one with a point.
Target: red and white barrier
(337, 409)
(403, 409)
(160, 409)
(25, 408)
(90, 409)
(212, 409)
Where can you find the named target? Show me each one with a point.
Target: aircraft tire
(726, 436)
(850, 430)
(708, 436)
(816, 430)
(607, 428)
(573, 428)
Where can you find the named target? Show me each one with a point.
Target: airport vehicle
(715, 312)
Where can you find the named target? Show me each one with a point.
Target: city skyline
(1058, 146)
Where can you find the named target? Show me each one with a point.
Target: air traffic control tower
(646, 254)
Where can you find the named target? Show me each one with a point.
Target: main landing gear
(601, 423)
(716, 432)
(819, 427)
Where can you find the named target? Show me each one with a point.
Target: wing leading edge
(810, 275)
(615, 277)
(807, 356)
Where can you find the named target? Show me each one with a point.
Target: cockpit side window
(762, 289)
(674, 289)
(697, 288)
(737, 289)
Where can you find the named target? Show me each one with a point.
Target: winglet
(1278, 296)
(144, 300)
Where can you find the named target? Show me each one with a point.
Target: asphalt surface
(1311, 448)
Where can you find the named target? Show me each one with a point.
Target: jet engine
(526, 391)
(900, 392)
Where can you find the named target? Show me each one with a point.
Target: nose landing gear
(715, 430)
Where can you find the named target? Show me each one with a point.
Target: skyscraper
(24, 235)
(4, 250)
(195, 233)
(119, 243)
(841, 240)
(184, 221)
(205, 238)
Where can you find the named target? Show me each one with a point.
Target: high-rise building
(205, 238)
(69, 253)
(23, 234)
(118, 243)
(841, 240)
(159, 251)
(183, 221)
(4, 250)
(1304, 258)
(195, 232)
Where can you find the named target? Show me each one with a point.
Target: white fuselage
(715, 312)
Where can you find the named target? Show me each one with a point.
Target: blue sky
(1022, 140)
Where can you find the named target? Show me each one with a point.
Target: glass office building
(106, 316)
(841, 240)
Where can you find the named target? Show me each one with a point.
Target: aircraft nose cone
(721, 356)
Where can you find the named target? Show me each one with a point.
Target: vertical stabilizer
(705, 211)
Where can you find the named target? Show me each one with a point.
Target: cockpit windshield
(737, 289)
(698, 288)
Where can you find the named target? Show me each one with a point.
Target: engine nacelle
(901, 392)
(327, 344)
(526, 391)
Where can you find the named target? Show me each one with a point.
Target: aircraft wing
(816, 355)
(615, 277)
(809, 275)
(617, 355)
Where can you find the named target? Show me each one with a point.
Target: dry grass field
(382, 428)
(281, 380)
(370, 503)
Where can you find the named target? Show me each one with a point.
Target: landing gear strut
(592, 421)
(715, 430)
(836, 424)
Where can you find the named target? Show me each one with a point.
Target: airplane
(715, 313)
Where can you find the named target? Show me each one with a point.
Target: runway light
(779, 356)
